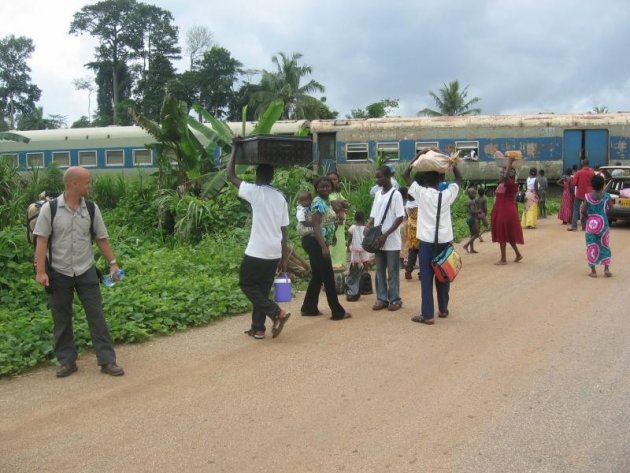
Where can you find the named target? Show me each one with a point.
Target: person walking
(387, 208)
(530, 210)
(582, 183)
(504, 224)
(595, 210)
(428, 197)
(267, 250)
(359, 258)
(65, 264)
(338, 254)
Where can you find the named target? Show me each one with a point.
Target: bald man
(72, 268)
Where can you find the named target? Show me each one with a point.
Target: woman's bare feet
(466, 248)
(607, 274)
(518, 258)
(592, 275)
(474, 251)
(500, 263)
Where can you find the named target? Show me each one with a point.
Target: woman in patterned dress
(566, 202)
(595, 209)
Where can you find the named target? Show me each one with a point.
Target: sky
(517, 56)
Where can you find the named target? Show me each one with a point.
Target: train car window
(11, 158)
(35, 160)
(469, 150)
(114, 157)
(357, 151)
(390, 151)
(87, 158)
(142, 157)
(61, 158)
(427, 144)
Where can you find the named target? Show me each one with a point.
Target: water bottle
(110, 279)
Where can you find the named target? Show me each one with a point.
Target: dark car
(618, 185)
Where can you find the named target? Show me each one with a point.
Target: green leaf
(269, 117)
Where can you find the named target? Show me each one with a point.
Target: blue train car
(114, 149)
(547, 141)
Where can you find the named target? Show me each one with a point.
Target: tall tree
(284, 84)
(86, 83)
(602, 109)
(17, 93)
(218, 71)
(452, 101)
(198, 40)
(114, 24)
(152, 88)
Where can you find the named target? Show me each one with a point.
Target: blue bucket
(282, 288)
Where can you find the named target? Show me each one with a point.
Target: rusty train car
(551, 142)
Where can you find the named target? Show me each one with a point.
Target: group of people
(65, 259)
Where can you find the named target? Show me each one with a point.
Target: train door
(585, 144)
(327, 151)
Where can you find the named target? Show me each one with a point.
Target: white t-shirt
(396, 209)
(270, 213)
(427, 199)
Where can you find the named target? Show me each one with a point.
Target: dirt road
(528, 374)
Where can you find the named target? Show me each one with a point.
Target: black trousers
(255, 280)
(60, 297)
(321, 273)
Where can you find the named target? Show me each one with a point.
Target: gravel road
(528, 374)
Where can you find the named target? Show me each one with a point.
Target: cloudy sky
(518, 56)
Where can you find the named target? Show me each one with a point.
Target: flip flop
(422, 320)
(278, 325)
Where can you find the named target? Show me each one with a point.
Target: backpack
(32, 213)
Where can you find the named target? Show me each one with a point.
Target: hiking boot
(66, 370)
(112, 369)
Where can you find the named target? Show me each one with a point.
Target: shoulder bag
(369, 240)
(447, 263)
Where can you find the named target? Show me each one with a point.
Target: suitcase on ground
(340, 282)
(365, 284)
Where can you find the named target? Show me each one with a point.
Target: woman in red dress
(505, 224)
(566, 203)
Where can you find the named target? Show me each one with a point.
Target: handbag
(373, 233)
(447, 264)
(520, 196)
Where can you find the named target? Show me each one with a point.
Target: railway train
(551, 142)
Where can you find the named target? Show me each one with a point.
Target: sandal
(422, 320)
(278, 324)
(310, 314)
(443, 315)
(344, 316)
(257, 334)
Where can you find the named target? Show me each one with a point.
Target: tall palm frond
(451, 102)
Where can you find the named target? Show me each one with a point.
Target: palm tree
(451, 101)
(284, 84)
(603, 109)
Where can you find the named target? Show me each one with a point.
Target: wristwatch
(112, 262)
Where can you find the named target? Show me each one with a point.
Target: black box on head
(275, 150)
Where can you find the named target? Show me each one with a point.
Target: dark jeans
(255, 280)
(412, 258)
(427, 277)
(321, 273)
(60, 297)
(577, 204)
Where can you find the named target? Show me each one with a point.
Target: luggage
(340, 282)
(365, 284)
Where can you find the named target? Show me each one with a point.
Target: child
(303, 214)
(411, 242)
(472, 220)
(482, 207)
(594, 209)
(359, 258)
(543, 185)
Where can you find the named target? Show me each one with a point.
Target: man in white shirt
(427, 196)
(387, 208)
(267, 250)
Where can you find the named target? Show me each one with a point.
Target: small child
(595, 209)
(542, 186)
(482, 207)
(472, 220)
(359, 258)
(303, 214)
